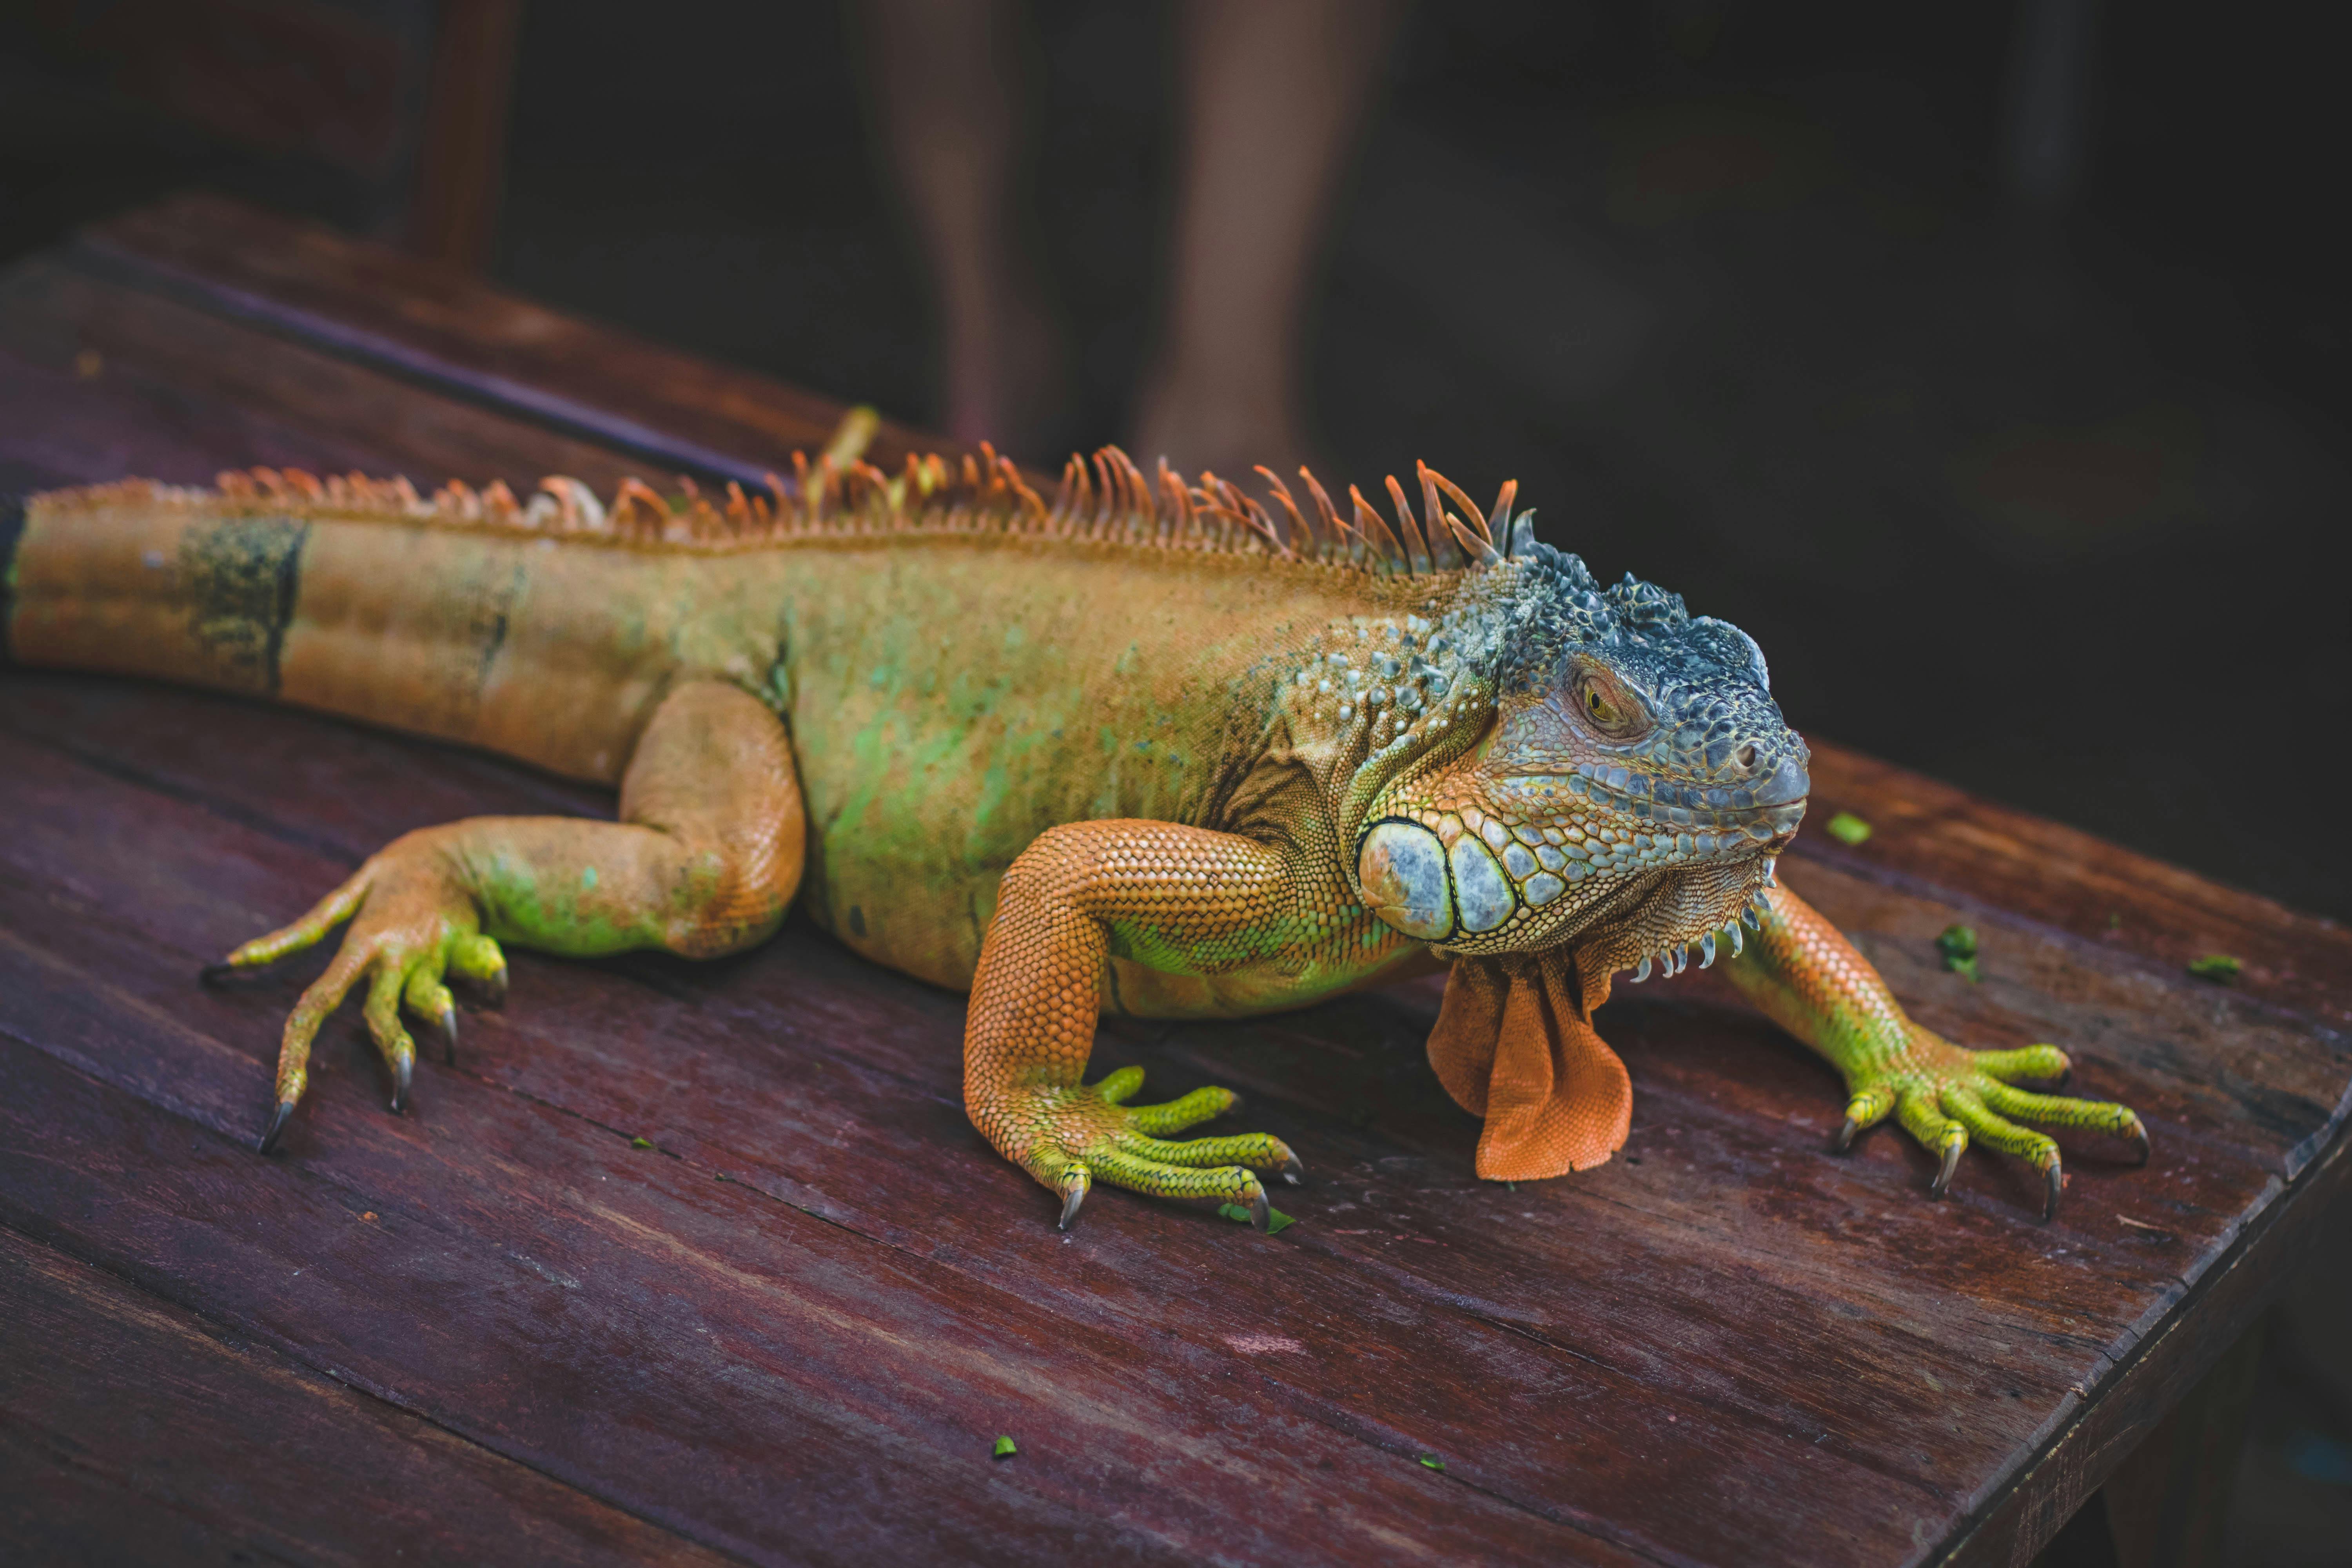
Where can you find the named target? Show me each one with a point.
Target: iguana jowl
(1141, 747)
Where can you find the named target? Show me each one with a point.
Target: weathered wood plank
(701, 1354)
(452, 333)
(2102, 1433)
(1193, 1296)
(160, 359)
(131, 1431)
(1650, 1245)
(2071, 881)
(56, 430)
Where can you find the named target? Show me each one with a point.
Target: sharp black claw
(495, 988)
(1951, 1163)
(1076, 1196)
(2056, 1177)
(1293, 1172)
(213, 973)
(277, 1122)
(1261, 1212)
(449, 1037)
(2138, 1135)
(1845, 1136)
(400, 1076)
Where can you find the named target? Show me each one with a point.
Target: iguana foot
(1071, 1137)
(413, 928)
(1945, 1095)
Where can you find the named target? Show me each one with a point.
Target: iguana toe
(427, 997)
(479, 959)
(278, 1120)
(1955, 1145)
(1191, 1110)
(1081, 1134)
(1948, 1098)
(1075, 1183)
(410, 926)
(1868, 1108)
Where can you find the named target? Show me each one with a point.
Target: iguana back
(955, 677)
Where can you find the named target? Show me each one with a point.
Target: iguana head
(1628, 784)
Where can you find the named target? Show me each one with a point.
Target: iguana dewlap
(1140, 747)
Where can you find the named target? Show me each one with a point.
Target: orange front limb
(1177, 897)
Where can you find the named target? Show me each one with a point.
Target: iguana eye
(1607, 707)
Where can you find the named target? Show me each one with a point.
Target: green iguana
(1152, 747)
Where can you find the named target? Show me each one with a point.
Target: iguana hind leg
(1175, 897)
(704, 860)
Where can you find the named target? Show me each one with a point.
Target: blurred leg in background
(956, 100)
(1272, 94)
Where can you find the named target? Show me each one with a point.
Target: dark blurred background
(1984, 362)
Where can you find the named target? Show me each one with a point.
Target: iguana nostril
(1747, 759)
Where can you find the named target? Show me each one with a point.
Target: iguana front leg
(704, 860)
(1809, 980)
(1180, 898)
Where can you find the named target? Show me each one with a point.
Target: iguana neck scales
(1154, 746)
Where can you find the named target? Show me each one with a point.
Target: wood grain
(451, 333)
(790, 1328)
(154, 1437)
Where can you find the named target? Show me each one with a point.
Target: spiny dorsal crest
(1103, 498)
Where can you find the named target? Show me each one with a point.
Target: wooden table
(501, 1328)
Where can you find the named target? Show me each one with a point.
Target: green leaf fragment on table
(2216, 966)
(641, 1142)
(1958, 945)
(1434, 1462)
(1847, 829)
(1274, 1218)
(1004, 1447)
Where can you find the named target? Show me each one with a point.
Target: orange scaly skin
(1141, 747)
(1209, 901)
